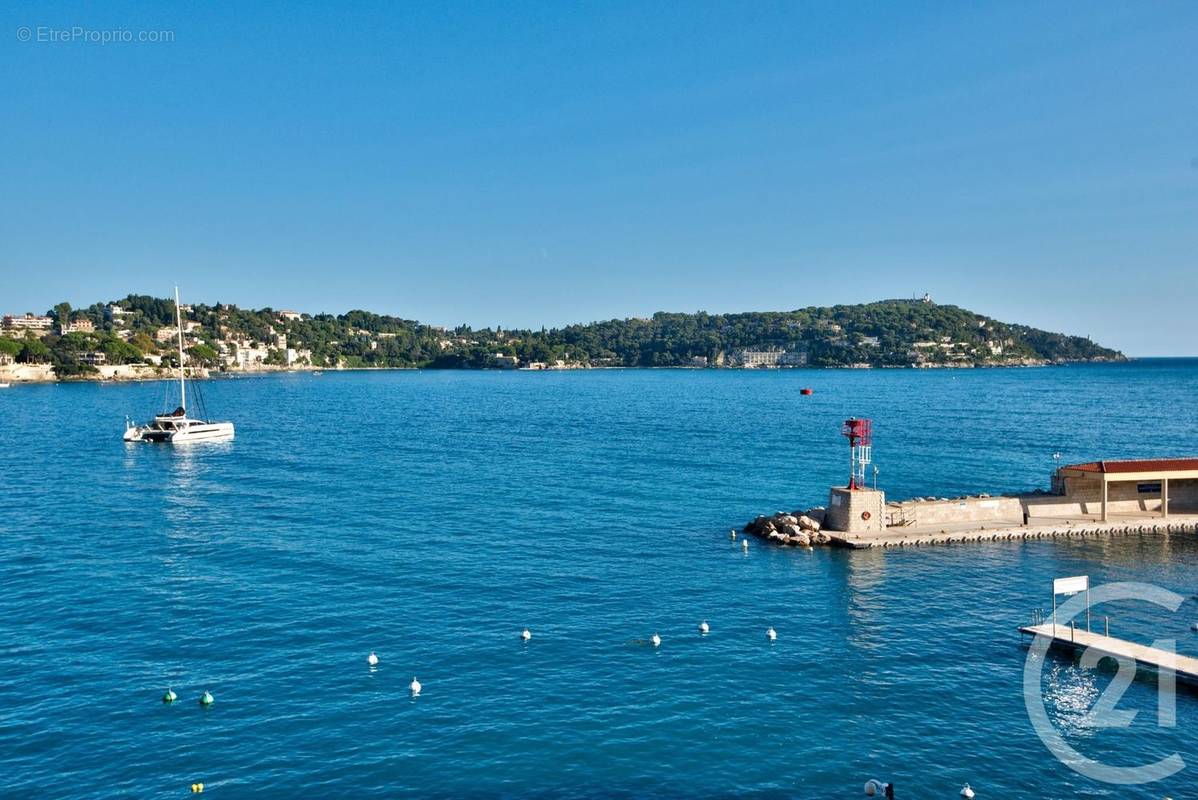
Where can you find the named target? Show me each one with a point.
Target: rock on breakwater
(797, 529)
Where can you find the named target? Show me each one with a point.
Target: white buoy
(372, 659)
(966, 791)
(415, 686)
(526, 634)
(771, 634)
(875, 786)
(656, 640)
(732, 534)
(704, 628)
(744, 543)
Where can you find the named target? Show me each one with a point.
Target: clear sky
(542, 163)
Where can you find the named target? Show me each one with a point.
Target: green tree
(118, 351)
(66, 354)
(143, 343)
(34, 351)
(203, 355)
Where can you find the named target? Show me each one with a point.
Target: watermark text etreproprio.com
(77, 34)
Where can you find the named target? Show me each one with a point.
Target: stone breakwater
(797, 529)
(805, 529)
(1063, 529)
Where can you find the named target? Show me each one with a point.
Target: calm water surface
(429, 516)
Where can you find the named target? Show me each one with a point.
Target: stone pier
(1078, 528)
(1098, 498)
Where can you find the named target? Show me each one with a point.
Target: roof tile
(1137, 465)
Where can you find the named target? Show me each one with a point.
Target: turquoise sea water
(430, 516)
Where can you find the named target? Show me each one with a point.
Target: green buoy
(170, 696)
(206, 699)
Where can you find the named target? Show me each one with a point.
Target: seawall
(1070, 529)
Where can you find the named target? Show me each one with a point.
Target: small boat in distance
(176, 427)
(5, 385)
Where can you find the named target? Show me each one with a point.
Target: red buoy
(806, 391)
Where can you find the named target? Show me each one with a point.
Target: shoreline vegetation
(134, 339)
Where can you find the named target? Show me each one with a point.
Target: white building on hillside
(295, 356)
(30, 322)
(247, 357)
(770, 357)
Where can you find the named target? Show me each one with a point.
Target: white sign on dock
(1078, 583)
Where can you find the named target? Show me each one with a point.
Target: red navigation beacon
(860, 433)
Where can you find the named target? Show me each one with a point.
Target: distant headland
(134, 338)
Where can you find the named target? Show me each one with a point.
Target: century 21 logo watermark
(1105, 712)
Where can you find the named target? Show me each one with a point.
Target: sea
(430, 516)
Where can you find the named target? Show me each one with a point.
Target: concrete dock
(1074, 527)
(1184, 667)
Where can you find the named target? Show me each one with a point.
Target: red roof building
(1149, 473)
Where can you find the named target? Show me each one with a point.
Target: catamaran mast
(182, 386)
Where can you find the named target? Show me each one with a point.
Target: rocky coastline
(796, 529)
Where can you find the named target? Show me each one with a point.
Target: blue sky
(543, 163)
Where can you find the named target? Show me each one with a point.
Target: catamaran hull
(217, 431)
(213, 432)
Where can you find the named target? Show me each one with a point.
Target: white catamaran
(176, 427)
